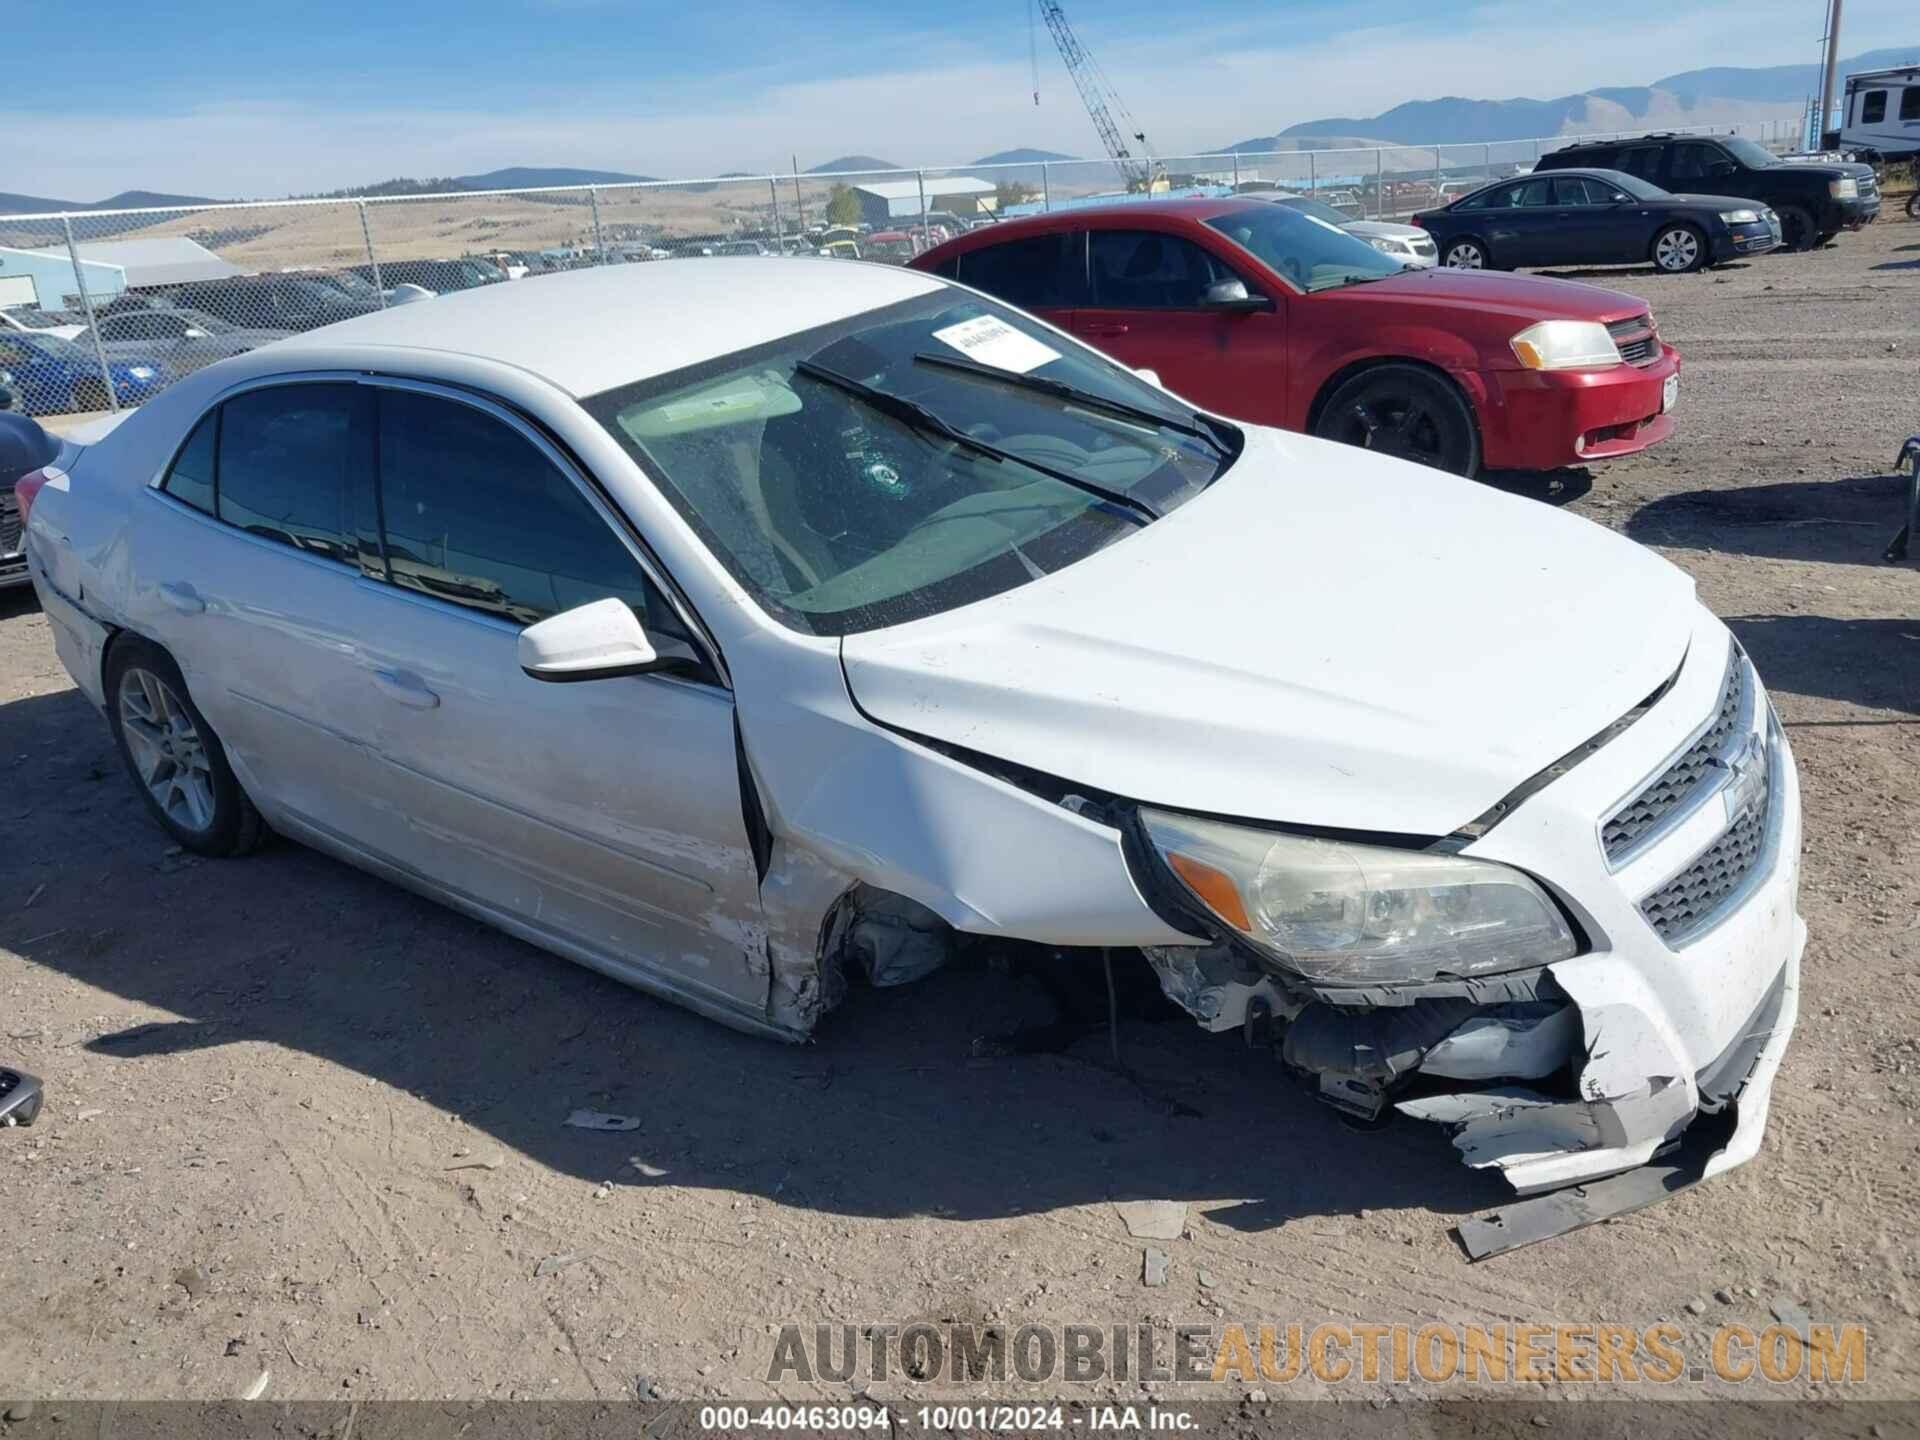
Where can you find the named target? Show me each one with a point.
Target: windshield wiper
(916, 415)
(1060, 390)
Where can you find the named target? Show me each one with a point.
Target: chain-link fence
(100, 310)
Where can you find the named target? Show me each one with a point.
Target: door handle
(405, 688)
(1110, 327)
(182, 597)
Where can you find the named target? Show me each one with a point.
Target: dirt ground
(300, 1121)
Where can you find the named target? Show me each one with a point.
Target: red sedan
(1261, 313)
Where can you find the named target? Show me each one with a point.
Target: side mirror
(1620, 197)
(1722, 167)
(1232, 295)
(596, 641)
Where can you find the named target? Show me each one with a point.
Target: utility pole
(1833, 63)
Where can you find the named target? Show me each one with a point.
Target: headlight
(1847, 189)
(141, 372)
(1388, 246)
(1346, 914)
(1740, 217)
(1565, 345)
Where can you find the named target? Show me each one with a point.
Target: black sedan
(1596, 217)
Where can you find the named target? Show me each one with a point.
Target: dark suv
(1814, 202)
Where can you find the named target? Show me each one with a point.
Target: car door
(1522, 224)
(1597, 224)
(246, 564)
(603, 818)
(1146, 307)
(1045, 275)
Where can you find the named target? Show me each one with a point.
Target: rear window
(1043, 272)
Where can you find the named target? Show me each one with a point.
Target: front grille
(1422, 246)
(1869, 187)
(9, 524)
(1672, 794)
(1636, 339)
(1691, 902)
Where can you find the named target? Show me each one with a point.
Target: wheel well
(1377, 362)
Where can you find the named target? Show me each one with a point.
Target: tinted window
(1572, 190)
(1873, 109)
(948, 269)
(477, 515)
(1910, 103)
(1033, 274)
(290, 457)
(1695, 161)
(1642, 160)
(191, 478)
(1145, 270)
(1525, 193)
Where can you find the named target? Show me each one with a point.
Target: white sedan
(887, 614)
(1409, 244)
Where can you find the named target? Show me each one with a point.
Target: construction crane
(1096, 93)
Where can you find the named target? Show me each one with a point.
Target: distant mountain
(1711, 96)
(1775, 82)
(849, 164)
(1022, 156)
(534, 177)
(125, 200)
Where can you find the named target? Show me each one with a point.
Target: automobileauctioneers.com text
(1330, 1353)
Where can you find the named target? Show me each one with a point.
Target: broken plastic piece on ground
(1153, 1219)
(601, 1120)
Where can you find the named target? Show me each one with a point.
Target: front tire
(175, 759)
(1467, 253)
(1407, 412)
(1797, 230)
(1679, 250)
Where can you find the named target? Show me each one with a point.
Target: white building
(111, 266)
(887, 203)
(46, 278)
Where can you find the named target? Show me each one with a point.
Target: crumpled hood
(1324, 637)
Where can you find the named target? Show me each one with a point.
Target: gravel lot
(301, 1121)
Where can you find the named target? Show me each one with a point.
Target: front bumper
(1544, 419)
(1754, 239)
(1677, 1022)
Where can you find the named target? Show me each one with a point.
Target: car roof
(589, 330)
(1200, 209)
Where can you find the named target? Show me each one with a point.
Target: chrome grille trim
(1724, 876)
(1636, 338)
(9, 525)
(1685, 782)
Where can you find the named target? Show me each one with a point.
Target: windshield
(1314, 254)
(848, 479)
(1754, 157)
(1318, 209)
(349, 283)
(36, 319)
(1636, 187)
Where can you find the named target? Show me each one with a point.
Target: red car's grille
(1638, 341)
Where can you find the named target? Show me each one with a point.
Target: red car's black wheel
(1407, 412)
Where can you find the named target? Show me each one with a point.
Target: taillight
(26, 487)
(1419, 220)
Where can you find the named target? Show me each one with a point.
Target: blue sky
(228, 98)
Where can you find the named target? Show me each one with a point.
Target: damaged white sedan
(894, 615)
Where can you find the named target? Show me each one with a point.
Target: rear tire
(175, 759)
(1797, 230)
(1469, 252)
(1679, 250)
(1407, 412)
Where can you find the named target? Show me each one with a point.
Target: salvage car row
(879, 564)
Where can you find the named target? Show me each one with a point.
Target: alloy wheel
(1677, 250)
(167, 749)
(1466, 256)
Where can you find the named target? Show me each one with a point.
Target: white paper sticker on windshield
(989, 340)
